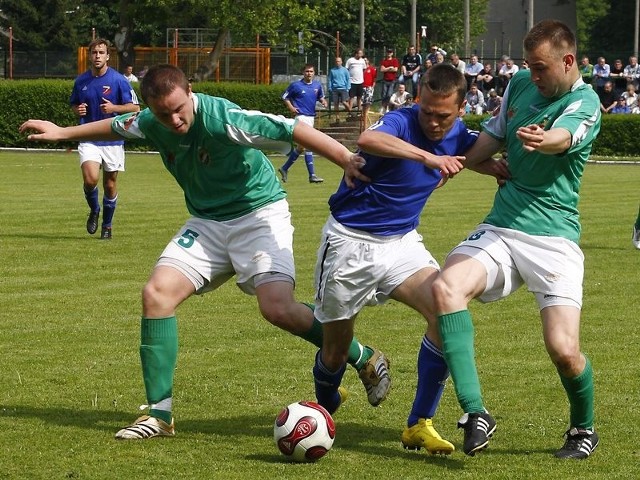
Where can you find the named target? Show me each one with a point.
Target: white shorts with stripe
(355, 268)
(110, 156)
(551, 267)
(209, 252)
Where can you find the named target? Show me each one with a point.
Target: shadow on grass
(365, 439)
(90, 419)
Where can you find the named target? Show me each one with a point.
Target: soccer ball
(304, 431)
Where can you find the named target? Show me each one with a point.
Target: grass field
(69, 365)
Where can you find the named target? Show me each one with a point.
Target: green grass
(69, 322)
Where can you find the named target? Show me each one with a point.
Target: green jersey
(218, 162)
(541, 198)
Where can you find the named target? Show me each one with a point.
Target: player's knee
(442, 293)
(279, 313)
(155, 302)
(568, 361)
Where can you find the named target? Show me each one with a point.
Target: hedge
(49, 99)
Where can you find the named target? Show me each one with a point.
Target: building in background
(506, 22)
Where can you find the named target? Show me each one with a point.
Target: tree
(41, 24)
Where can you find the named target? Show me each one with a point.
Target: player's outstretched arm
(386, 145)
(50, 132)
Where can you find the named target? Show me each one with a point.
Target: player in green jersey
(548, 120)
(240, 223)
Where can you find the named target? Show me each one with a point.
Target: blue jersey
(91, 90)
(304, 96)
(392, 202)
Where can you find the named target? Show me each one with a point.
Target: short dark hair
(99, 41)
(161, 80)
(444, 79)
(557, 33)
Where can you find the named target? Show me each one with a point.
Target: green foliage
(71, 376)
(618, 136)
(49, 100)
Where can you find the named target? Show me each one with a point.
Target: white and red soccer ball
(304, 431)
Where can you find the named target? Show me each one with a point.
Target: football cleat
(478, 429)
(105, 234)
(146, 427)
(92, 222)
(579, 443)
(315, 179)
(283, 173)
(636, 237)
(423, 435)
(375, 377)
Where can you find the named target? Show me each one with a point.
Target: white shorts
(355, 268)
(308, 119)
(209, 252)
(551, 267)
(110, 156)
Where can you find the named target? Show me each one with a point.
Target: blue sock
(327, 384)
(92, 199)
(293, 156)
(109, 205)
(308, 159)
(432, 374)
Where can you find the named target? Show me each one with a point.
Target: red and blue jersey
(93, 90)
(392, 202)
(304, 96)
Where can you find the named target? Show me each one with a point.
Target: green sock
(158, 354)
(580, 392)
(638, 221)
(456, 330)
(358, 353)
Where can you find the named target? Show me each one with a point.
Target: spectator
(459, 64)
(618, 77)
(369, 75)
(508, 70)
(439, 58)
(426, 66)
(607, 97)
(631, 98)
(401, 98)
(389, 68)
(493, 102)
(621, 106)
(475, 100)
(486, 78)
(143, 72)
(632, 72)
(128, 74)
(339, 84)
(472, 70)
(435, 50)
(586, 70)
(601, 71)
(524, 65)
(411, 64)
(356, 67)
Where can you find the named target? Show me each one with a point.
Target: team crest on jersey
(512, 112)
(171, 157)
(203, 156)
(106, 89)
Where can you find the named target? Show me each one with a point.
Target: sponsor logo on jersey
(106, 89)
